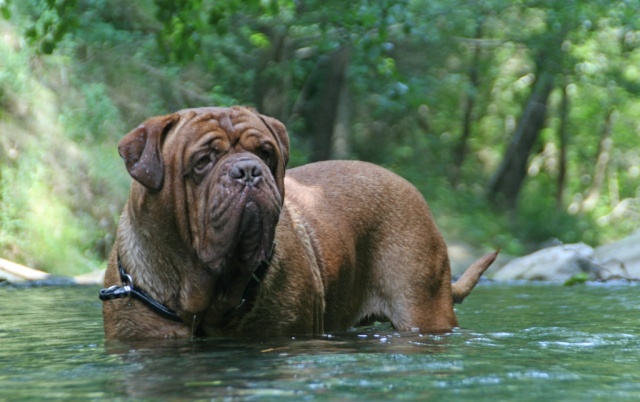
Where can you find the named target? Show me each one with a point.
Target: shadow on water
(524, 341)
(277, 367)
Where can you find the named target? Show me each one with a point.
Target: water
(525, 342)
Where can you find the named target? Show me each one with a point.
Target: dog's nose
(247, 171)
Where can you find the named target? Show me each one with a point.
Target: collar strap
(128, 289)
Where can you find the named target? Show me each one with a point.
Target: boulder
(621, 258)
(554, 264)
(92, 278)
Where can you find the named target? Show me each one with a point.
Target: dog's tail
(465, 284)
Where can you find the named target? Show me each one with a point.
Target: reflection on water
(530, 342)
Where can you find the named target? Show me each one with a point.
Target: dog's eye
(202, 163)
(266, 154)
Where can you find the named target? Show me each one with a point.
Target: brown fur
(353, 241)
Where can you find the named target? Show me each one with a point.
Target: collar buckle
(128, 289)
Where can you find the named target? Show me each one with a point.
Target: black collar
(128, 289)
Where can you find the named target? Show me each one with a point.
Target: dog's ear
(141, 150)
(280, 132)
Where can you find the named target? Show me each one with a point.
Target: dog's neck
(182, 284)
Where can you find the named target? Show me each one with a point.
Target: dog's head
(216, 174)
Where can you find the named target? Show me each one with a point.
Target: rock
(621, 258)
(555, 264)
(617, 260)
(91, 278)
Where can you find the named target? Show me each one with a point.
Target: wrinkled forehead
(230, 120)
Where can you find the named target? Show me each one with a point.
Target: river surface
(524, 342)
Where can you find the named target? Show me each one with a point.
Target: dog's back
(377, 245)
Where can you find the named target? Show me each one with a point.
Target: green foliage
(93, 69)
(576, 279)
(92, 128)
(42, 223)
(54, 19)
(5, 10)
(59, 173)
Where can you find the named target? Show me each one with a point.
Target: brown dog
(208, 243)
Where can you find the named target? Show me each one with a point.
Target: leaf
(260, 40)
(580, 278)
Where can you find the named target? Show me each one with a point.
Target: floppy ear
(141, 150)
(280, 132)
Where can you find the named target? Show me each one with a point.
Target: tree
(471, 96)
(563, 137)
(506, 183)
(451, 95)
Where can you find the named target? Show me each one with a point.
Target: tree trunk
(271, 85)
(342, 128)
(321, 101)
(602, 162)
(563, 135)
(460, 151)
(506, 183)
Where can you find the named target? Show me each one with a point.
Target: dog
(217, 239)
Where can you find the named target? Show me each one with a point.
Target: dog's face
(216, 174)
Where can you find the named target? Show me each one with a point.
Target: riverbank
(12, 272)
(557, 263)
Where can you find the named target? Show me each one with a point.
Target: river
(518, 341)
